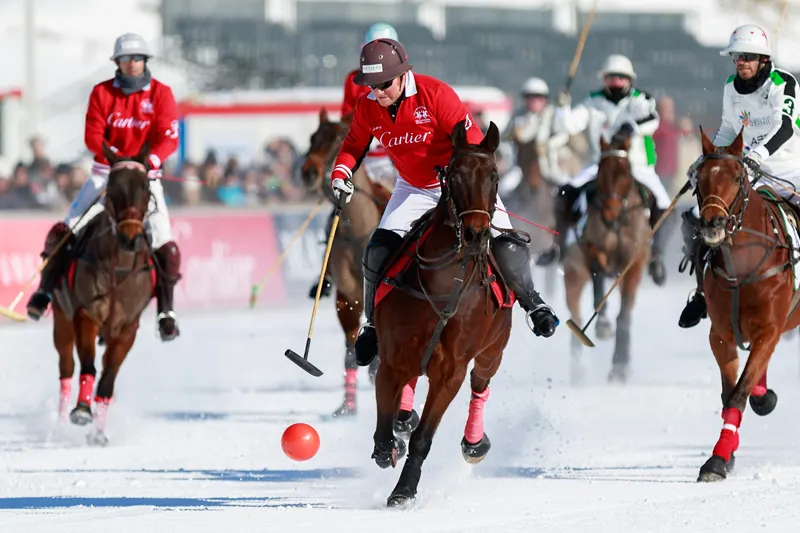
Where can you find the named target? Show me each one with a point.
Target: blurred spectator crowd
(273, 176)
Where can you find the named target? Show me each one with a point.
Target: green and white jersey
(597, 115)
(769, 116)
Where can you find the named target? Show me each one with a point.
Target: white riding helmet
(381, 30)
(617, 64)
(748, 39)
(130, 44)
(535, 87)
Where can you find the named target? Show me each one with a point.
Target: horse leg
(476, 444)
(622, 347)
(349, 313)
(762, 399)
(603, 327)
(117, 350)
(64, 340)
(575, 277)
(388, 388)
(763, 344)
(85, 336)
(443, 388)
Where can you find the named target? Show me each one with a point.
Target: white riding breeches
(408, 203)
(645, 175)
(157, 218)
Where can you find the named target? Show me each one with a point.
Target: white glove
(563, 99)
(343, 187)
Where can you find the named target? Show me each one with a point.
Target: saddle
(393, 275)
(791, 210)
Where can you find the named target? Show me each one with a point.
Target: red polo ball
(300, 442)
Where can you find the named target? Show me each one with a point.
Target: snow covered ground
(195, 438)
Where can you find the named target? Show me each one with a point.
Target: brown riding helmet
(382, 60)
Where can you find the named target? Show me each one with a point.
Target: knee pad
(511, 251)
(54, 236)
(382, 246)
(169, 259)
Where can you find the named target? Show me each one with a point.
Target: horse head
(470, 184)
(722, 187)
(127, 195)
(324, 143)
(614, 179)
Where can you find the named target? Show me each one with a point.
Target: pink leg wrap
(407, 400)
(729, 436)
(473, 431)
(86, 389)
(760, 388)
(350, 385)
(64, 397)
(101, 412)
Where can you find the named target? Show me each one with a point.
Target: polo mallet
(256, 289)
(303, 362)
(581, 333)
(576, 59)
(9, 312)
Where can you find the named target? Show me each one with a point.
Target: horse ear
(626, 144)
(708, 146)
(323, 115)
(348, 118)
(603, 144)
(110, 156)
(492, 138)
(738, 144)
(459, 135)
(144, 153)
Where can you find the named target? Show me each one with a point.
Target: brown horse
(534, 198)
(447, 262)
(107, 287)
(748, 286)
(359, 219)
(616, 227)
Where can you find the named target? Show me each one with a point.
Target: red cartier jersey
(418, 140)
(126, 122)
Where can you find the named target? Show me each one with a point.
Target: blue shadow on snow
(262, 476)
(61, 502)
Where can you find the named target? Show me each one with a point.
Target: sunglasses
(129, 58)
(736, 56)
(383, 86)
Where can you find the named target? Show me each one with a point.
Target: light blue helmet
(380, 30)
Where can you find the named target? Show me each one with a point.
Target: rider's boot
(56, 263)
(693, 250)
(656, 268)
(565, 213)
(380, 250)
(513, 259)
(168, 258)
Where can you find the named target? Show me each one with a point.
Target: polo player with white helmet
(618, 111)
(761, 100)
(126, 111)
(535, 121)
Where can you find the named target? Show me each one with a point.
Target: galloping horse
(109, 283)
(359, 219)
(534, 199)
(445, 260)
(616, 227)
(750, 289)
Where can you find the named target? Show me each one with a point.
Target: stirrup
(539, 307)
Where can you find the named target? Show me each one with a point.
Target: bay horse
(109, 283)
(749, 284)
(445, 261)
(534, 198)
(615, 228)
(359, 218)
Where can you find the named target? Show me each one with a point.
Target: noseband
(729, 221)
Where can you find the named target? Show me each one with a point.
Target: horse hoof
(81, 415)
(97, 438)
(405, 423)
(603, 330)
(348, 408)
(385, 459)
(475, 453)
(401, 498)
(764, 405)
(618, 374)
(715, 469)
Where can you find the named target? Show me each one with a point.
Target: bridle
(730, 222)
(613, 195)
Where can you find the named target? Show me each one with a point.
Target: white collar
(411, 86)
